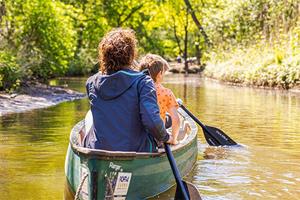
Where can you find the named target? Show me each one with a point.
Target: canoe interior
(127, 175)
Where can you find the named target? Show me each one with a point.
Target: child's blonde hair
(155, 64)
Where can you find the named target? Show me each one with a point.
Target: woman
(123, 101)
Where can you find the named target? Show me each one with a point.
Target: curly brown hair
(154, 63)
(117, 50)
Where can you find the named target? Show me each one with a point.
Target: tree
(47, 40)
(201, 29)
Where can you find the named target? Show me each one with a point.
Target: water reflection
(33, 144)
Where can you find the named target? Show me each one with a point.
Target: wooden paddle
(213, 135)
(184, 190)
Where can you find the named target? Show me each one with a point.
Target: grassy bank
(258, 65)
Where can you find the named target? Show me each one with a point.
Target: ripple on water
(254, 171)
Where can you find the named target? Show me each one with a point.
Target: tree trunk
(195, 19)
(79, 41)
(176, 36)
(133, 10)
(185, 55)
(198, 54)
(2, 13)
(2, 10)
(80, 33)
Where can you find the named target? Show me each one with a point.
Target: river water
(266, 122)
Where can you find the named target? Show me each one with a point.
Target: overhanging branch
(133, 10)
(195, 19)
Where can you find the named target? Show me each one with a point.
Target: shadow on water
(33, 144)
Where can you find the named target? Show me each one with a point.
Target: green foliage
(82, 65)
(269, 69)
(9, 72)
(49, 38)
(247, 21)
(295, 40)
(254, 41)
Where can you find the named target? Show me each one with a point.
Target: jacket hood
(114, 85)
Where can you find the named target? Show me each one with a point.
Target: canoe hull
(124, 177)
(149, 177)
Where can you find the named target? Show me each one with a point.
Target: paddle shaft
(200, 123)
(176, 172)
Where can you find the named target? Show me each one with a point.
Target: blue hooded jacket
(125, 112)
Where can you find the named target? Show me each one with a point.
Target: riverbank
(295, 91)
(267, 77)
(178, 68)
(35, 96)
(259, 66)
(275, 77)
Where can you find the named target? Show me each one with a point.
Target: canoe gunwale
(128, 155)
(119, 155)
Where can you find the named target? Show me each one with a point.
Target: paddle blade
(217, 137)
(213, 136)
(192, 191)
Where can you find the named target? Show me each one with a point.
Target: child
(157, 67)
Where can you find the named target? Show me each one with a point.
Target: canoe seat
(185, 129)
(184, 132)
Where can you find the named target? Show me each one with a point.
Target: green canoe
(98, 174)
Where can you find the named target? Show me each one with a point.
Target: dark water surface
(33, 144)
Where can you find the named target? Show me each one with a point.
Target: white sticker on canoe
(119, 198)
(84, 190)
(122, 184)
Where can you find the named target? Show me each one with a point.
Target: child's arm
(175, 123)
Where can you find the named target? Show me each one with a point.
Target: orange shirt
(165, 99)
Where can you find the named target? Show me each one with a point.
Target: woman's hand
(175, 141)
(172, 140)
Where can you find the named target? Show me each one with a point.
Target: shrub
(82, 65)
(259, 67)
(48, 38)
(9, 72)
